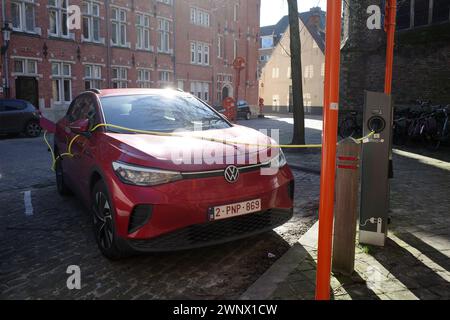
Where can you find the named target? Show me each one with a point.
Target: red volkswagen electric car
(162, 177)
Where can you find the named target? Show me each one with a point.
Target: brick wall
(45, 49)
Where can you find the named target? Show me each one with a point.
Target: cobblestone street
(37, 248)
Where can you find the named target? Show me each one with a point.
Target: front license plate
(236, 209)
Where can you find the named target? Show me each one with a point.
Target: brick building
(188, 44)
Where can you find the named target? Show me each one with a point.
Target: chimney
(315, 17)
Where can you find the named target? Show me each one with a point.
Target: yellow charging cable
(154, 133)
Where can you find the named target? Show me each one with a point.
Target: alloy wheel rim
(103, 220)
(33, 129)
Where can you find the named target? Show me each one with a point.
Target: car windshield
(161, 113)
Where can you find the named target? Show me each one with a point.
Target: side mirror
(80, 126)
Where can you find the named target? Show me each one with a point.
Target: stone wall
(421, 61)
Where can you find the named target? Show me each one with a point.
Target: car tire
(61, 186)
(110, 245)
(248, 116)
(33, 129)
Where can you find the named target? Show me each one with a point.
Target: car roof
(127, 91)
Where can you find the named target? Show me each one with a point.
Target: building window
(164, 36)
(309, 71)
(267, 42)
(235, 48)
(441, 11)
(168, 2)
(416, 13)
(236, 12)
(143, 32)
(91, 21)
(180, 85)
(119, 77)
(164, 78)
(275, 73)
(421, 13)
(200, 90)
(61, 82)
(199, 53)
(200, 17)
(25, 66)
(23, 15)
(144, 78)
(92, 76)
(57, 13)
(276, 100)
(119, 27)
(220, 46)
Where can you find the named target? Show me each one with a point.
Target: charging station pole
(328, 170)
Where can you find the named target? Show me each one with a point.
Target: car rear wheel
(110, 245)
(63, 190)
(33, 129)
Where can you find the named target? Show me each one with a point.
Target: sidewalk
(414, 264)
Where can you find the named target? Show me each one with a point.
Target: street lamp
(6, 31)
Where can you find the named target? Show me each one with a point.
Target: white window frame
(235, 48)
(143, 39)
(94, 78)
(164, 77)
(236, 12)
(121, 79)
(118, 23)
(91, 16)
(25, 67)
(220, 47)
(60, 78)
(200, 53)
(164, 33)
(22, 26)
(144, 78)
(168, 2)
(59, 8)
(200, 17)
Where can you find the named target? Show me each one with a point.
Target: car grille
(216, 232)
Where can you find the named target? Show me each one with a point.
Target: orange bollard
(330, 124)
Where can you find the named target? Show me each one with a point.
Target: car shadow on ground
(36, 252)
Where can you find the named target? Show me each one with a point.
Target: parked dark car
(243, 110)
(19, 116)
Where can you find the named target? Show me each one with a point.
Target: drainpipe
(5, 52)
(174, 56)
(108, 45)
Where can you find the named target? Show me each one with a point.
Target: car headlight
(280, 161)
(141, 176)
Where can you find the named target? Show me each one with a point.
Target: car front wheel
(110, 245)
(248, 116)
(63, 190)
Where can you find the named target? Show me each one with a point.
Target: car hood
(192, 151)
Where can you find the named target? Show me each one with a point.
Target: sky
(273, 10)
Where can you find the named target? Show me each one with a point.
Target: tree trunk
(296, 69)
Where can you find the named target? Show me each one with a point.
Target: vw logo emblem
(231, 174)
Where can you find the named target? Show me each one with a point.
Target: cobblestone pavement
(414, 264)
(35, 250)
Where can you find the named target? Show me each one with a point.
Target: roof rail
(96, 91)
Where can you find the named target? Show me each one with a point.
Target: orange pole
(330, 124)
(391, 12)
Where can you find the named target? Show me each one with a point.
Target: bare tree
(296, 69)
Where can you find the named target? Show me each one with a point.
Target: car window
(160, 112)
(13, 105)
(82, 108)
